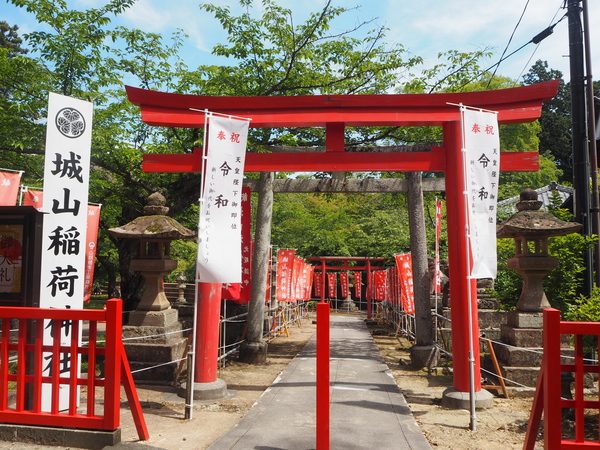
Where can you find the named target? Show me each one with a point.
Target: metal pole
(593, 151)
(581, 169)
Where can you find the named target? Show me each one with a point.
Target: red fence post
(552, 380)
(323, 395)
(112, 364)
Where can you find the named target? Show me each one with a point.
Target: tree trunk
(424, 352)
(255, 350)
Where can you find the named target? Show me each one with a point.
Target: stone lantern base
(152, 339)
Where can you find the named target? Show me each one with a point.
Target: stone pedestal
(521, 360)
(533, 269)
(348, 305)
(151, 339)
(153, 271)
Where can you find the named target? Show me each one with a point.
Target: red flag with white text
(344, 284)
(9, 188)
(332, 285)
(285, 262)
(33, 198)
(91, 239)
(317, 283)
(357, 284)
(437, 277)
(404, 266)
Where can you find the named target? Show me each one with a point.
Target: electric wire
(509, 42)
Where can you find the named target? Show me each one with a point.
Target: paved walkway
(367, 408)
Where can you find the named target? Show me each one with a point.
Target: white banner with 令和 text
(219, 228)
(482, 171)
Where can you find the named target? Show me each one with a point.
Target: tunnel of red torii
(335, 113)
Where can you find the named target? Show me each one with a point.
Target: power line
(509, 41)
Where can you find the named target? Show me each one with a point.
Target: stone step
(512, 356)
(490, 333)
(488, 318)
(160, 353)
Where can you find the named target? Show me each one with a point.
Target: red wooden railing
(34, 357)
(548, 397)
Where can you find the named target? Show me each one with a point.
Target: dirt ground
(502, 427)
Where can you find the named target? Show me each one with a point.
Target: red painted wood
(132, 397)
(207, 335)
(457, 257)
(434, 161)
(323, 376)
(109, 419)
(552, 381)
(514, 105)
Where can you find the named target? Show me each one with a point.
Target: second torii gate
(335, 113)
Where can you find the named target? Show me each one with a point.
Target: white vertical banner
(482, 170)
(66, 182)
(219, 228)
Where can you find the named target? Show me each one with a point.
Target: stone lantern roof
(532, 222)
(154, 225)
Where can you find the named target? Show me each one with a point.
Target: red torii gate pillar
(335, 112)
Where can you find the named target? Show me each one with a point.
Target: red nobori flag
(380, 279)
(404, 265)
(332, 285)
(309, 280)
(357, 284)
(317, 283)
(91, 238)
(9, 188)
(297, 279)
(285, 261)
(437, 278)
(33, 198)
(240, 292)
(344, 284)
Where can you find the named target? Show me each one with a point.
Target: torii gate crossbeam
(335, 113)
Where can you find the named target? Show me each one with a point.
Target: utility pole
(581, 164)
(593, 147)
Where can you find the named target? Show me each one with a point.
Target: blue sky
(423, 27)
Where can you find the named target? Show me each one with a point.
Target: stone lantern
(155, 232)
(531, 228)
(154, 333)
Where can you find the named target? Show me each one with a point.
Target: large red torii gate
(335, 113)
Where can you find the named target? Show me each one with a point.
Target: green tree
(555, 121)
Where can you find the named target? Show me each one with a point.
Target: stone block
(521, 337)
(518, 319)
(63, 437)
(526, 376)
(155, 352)
(162, 318)
(490, 318)
(511, 356)
(152, 335)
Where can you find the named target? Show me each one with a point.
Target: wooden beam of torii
(367, 185)
(335, 113)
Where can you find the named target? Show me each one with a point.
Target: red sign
(317, 283)
(285, 262)
(437, 275)
(9, 188)
(357, 284)
(33, 198)
(380, 282)
(404, 266)
(91, 239)
(332, 285)
(344, 284)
